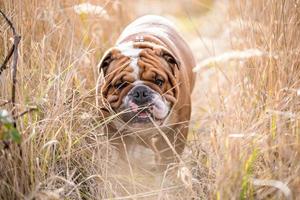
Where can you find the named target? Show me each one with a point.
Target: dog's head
(140, 82)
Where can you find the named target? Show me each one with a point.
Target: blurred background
(244, 134)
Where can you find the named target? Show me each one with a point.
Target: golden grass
(245, 131)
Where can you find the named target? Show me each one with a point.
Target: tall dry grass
(250, 143)
(244, 140)
(57, 73)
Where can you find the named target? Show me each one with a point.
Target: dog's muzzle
(142, 103)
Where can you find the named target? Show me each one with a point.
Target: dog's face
(140, 82)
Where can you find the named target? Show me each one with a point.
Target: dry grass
(245, 131)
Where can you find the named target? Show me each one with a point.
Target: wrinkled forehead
(142, 60)
(127, 61)
(127, 49)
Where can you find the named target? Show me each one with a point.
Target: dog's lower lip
(143, 114)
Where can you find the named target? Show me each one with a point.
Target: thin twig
(14, 50)
(4, 103)
(17, 39)
(7, 58)
(11, 51)
(26, 111)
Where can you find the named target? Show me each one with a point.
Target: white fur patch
(142, 156)
(161, 107)
(136, 68)
(127, 49)
(138, 82)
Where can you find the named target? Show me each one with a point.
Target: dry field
(244, 140)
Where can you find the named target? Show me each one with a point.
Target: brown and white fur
(147, 91)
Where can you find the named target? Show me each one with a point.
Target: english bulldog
(146, 92)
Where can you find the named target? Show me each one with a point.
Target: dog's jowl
(147, 90)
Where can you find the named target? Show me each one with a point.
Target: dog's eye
(159, 81)
(120, 85)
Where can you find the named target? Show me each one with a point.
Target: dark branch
(11, 50)
(26, 111)
(4, 64)
(4, 103)
(17, 39)
(9, 23)
(14, 50)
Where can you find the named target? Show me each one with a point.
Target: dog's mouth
(144, 114)
(148, 113)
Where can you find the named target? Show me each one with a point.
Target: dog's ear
(170, 58)
(105, 61)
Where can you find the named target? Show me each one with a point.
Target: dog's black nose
(141, 95)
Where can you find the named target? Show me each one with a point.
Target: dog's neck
(139, 150)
